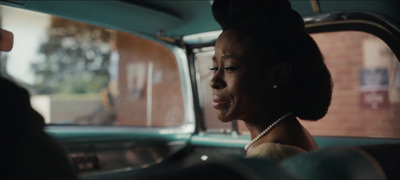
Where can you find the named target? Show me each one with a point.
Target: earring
(275, 86)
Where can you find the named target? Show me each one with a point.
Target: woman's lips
(220, 104)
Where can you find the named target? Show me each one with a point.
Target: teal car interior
(153, 113)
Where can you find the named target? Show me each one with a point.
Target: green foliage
(75, 59)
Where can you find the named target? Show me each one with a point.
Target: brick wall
(346, 53)
(166, 89)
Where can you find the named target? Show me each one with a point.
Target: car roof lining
(177, 18)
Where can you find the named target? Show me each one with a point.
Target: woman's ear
(280, 74)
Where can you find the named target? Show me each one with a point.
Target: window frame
(356, 21)
(188, 123)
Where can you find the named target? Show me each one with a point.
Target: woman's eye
(213, 69)
(231, 69)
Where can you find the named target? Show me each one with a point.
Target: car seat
(334, 163)
(388, 157)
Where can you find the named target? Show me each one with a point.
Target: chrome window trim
(356, 21)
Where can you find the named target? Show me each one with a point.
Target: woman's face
(238, 85)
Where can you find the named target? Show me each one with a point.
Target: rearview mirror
(6, 40)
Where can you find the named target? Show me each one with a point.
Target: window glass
(366, 93)
(79, 73)
(366, 77)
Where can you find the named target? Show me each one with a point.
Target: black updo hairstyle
(275, 33)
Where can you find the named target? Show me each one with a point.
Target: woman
(266, 72)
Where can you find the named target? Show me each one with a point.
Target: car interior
(122, 89)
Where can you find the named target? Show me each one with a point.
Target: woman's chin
(223, 118)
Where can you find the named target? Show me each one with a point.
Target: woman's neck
(258, 125)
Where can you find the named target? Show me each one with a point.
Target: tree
(76, 57)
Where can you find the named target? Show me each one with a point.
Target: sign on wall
(374, 85)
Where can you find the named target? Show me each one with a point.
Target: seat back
(224, 168)
(334, 163)
(388, 157)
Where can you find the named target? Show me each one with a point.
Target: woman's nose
(217, 82)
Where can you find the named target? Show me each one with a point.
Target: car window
(79, 73)
(366, 77)
(366, 93)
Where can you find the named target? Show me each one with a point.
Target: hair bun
(274, 18)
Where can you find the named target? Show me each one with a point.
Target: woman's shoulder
(275, 151)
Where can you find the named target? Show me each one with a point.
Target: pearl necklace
(269, 128)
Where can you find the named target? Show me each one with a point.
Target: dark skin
(243, 90)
